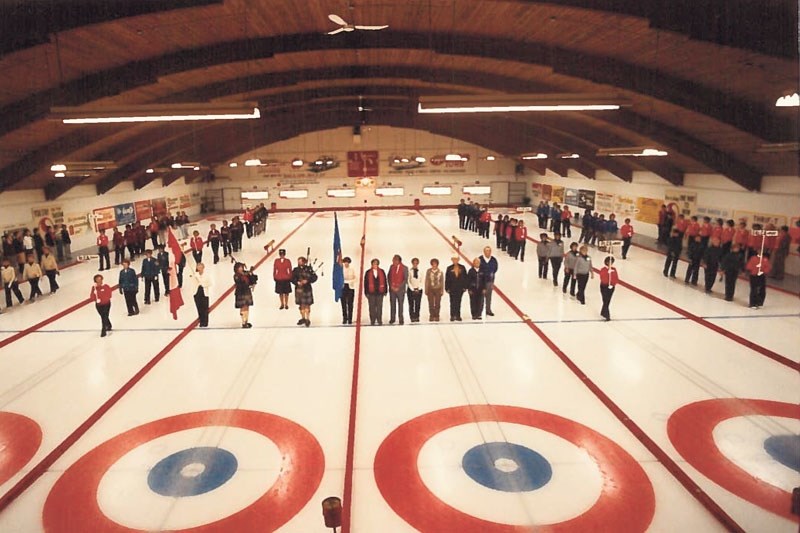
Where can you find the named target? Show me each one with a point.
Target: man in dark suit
(455, 283)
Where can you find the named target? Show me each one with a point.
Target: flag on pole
(338, 269)
(175, 297)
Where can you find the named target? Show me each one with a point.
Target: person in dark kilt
(303, 277)
(243, 281)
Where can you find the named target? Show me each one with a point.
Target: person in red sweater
(726, 236)
(102, 250)
(196, 243)
(626, 232)
(742, 236)
(118, 239)
(608, 280)
(692, 229)
(282, 274)
(758, 267)
(754, 241)
(101, 294)
(681, 224)
(520, 236)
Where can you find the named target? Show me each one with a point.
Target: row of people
(511, 234)
(18, 245)
(559, 218)
(474, 217)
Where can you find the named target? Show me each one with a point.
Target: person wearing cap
(129, 286)
(282, 274)
(608, 280)
(455, 283)
(348, 291)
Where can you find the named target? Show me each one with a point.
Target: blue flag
(338, 269)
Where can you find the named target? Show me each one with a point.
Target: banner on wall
(173, 204)
(362, 164)
(104, 218)
(49, 215)
(586, 199)
(794, 230)
(159, 206)
(557, 194)
(684, 202)
(77, 223)
(648, 209)
(752, 217)
(604, 202)
(124, 214)
(572, 197)
(186, 202)
(714, 212)
(625, 206)
(547, 192)
(536, 192)
(144, 211)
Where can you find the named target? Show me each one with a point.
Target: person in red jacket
(626, 232)
(726, 236)
(102, 250)
(608, 280)
(520, 237)
(101, 294)
(196, 243)
(758, 267)
(282, 274)
(742, 236)
(681, 224)
(118, 239)
(754, 241)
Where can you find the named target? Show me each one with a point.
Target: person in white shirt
(348, 291)
(416, 281)
(202, 283)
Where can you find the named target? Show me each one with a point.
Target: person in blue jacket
(611, 227)
(150, 272)
(129, 286)
(587, 222)
(555, 218)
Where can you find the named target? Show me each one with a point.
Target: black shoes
(301, 322)
(247, 325)
(489, 313)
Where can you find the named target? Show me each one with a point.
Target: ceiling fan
(346, 26)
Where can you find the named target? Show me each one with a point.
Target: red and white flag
(175, 297)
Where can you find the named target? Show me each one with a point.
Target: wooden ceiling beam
(758, 118)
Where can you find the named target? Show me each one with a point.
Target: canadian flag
(175, 297)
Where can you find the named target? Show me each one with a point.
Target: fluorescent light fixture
(253, 163)
(420, 159)
(233, 165)
(490, 158)
(632, 151)
(528, 157)
(569, 156)
(149, 171)
(296, 163)
(58, 168)
(155, 113)
(456, 157)
(342, 193)
(294, 194)
(59, 174)
(255, 195)
(389, 191)
(506, 103)
(196, 168)
(790, 100)
(437, 191)
(477, 190)
(775, 148)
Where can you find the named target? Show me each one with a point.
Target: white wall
(389, 142)
(16, 206)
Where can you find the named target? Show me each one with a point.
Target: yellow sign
(648, 209)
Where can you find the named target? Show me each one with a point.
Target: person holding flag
(342, 285)
(176, 258)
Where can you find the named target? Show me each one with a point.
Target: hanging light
(528, 157)
(233, 165)
(253, 163)
(296, 163)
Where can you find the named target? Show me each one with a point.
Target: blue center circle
(192, 472)
(507, 467)
(785, 449)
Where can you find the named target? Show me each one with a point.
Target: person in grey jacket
(542, 254)
(397, 277)
(555, 252)
(569, 269)
(583, 269)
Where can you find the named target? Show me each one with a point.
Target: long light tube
(510, 103)
(156, 113)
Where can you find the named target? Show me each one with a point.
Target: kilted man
(303, 277)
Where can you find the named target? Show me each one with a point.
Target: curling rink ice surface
(679, 415)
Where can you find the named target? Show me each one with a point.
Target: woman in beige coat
(434, 288)
(50, 267)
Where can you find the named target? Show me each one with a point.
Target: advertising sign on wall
(124, 214)
(173, 204)
(648, 209)
(144, 211)
(624, 206)
(48, 215)
(586, 199)
(557, 194)
(547, 192)
(104, 218)
(684, 202)
(159, 206)
(536, 192)
(572, 197)
(186, 202)
(77, 223)
(362, 164)
(751, 217)
(714, 212)
(604, 202)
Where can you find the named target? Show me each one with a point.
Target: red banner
(362, 164)
(105, 218)
(143, 210)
